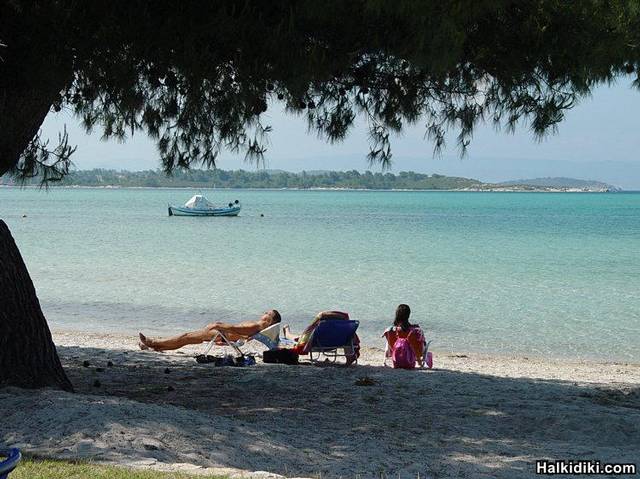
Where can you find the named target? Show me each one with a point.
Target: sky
(598, 140)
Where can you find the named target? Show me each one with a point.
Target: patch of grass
(46, 469)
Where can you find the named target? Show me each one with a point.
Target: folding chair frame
(13, 458)
(236, 345)
(332, 353)
(232, 344)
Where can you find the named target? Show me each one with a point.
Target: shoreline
(490, 363)
(506, 189)
(114, 338)
(472, 415)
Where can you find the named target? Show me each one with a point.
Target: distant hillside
(278, 179)
(562, 182)
(265, 179)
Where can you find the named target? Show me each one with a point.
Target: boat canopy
(198, 202)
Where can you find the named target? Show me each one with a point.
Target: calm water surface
(525, 273)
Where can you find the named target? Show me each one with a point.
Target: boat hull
(182, 211)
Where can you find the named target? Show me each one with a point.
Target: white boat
(198, 205)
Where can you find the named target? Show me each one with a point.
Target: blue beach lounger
(331, 335)
(9, 464)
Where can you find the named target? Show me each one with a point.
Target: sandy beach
(471, 416)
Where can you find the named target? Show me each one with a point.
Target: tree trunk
(28, 357)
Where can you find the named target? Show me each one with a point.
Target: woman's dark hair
(276, 316)
(402, 317)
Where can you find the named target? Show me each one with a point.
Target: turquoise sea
(526, 273)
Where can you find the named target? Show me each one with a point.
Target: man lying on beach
(233, 332)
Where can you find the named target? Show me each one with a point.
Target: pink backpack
(402, 355)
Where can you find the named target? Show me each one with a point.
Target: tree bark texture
(28, 357)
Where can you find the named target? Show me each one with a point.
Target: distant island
(562, 182)
(278, 179)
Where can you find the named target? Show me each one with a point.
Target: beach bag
(280, 356)
(402, 355)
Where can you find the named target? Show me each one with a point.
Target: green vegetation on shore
(278, 179)
(266, 179)
(46, 469)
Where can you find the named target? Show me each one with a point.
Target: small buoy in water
(261, 215)
(24, 216)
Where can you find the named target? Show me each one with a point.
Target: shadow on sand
(306, 420)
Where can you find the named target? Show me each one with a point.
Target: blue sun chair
(12, 458)
(332, 335)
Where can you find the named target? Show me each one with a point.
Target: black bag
(280, 356)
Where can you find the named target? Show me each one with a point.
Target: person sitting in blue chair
(329, 332)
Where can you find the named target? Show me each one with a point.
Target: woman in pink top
(402, 328)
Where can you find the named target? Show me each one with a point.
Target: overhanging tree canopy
(197, 76)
